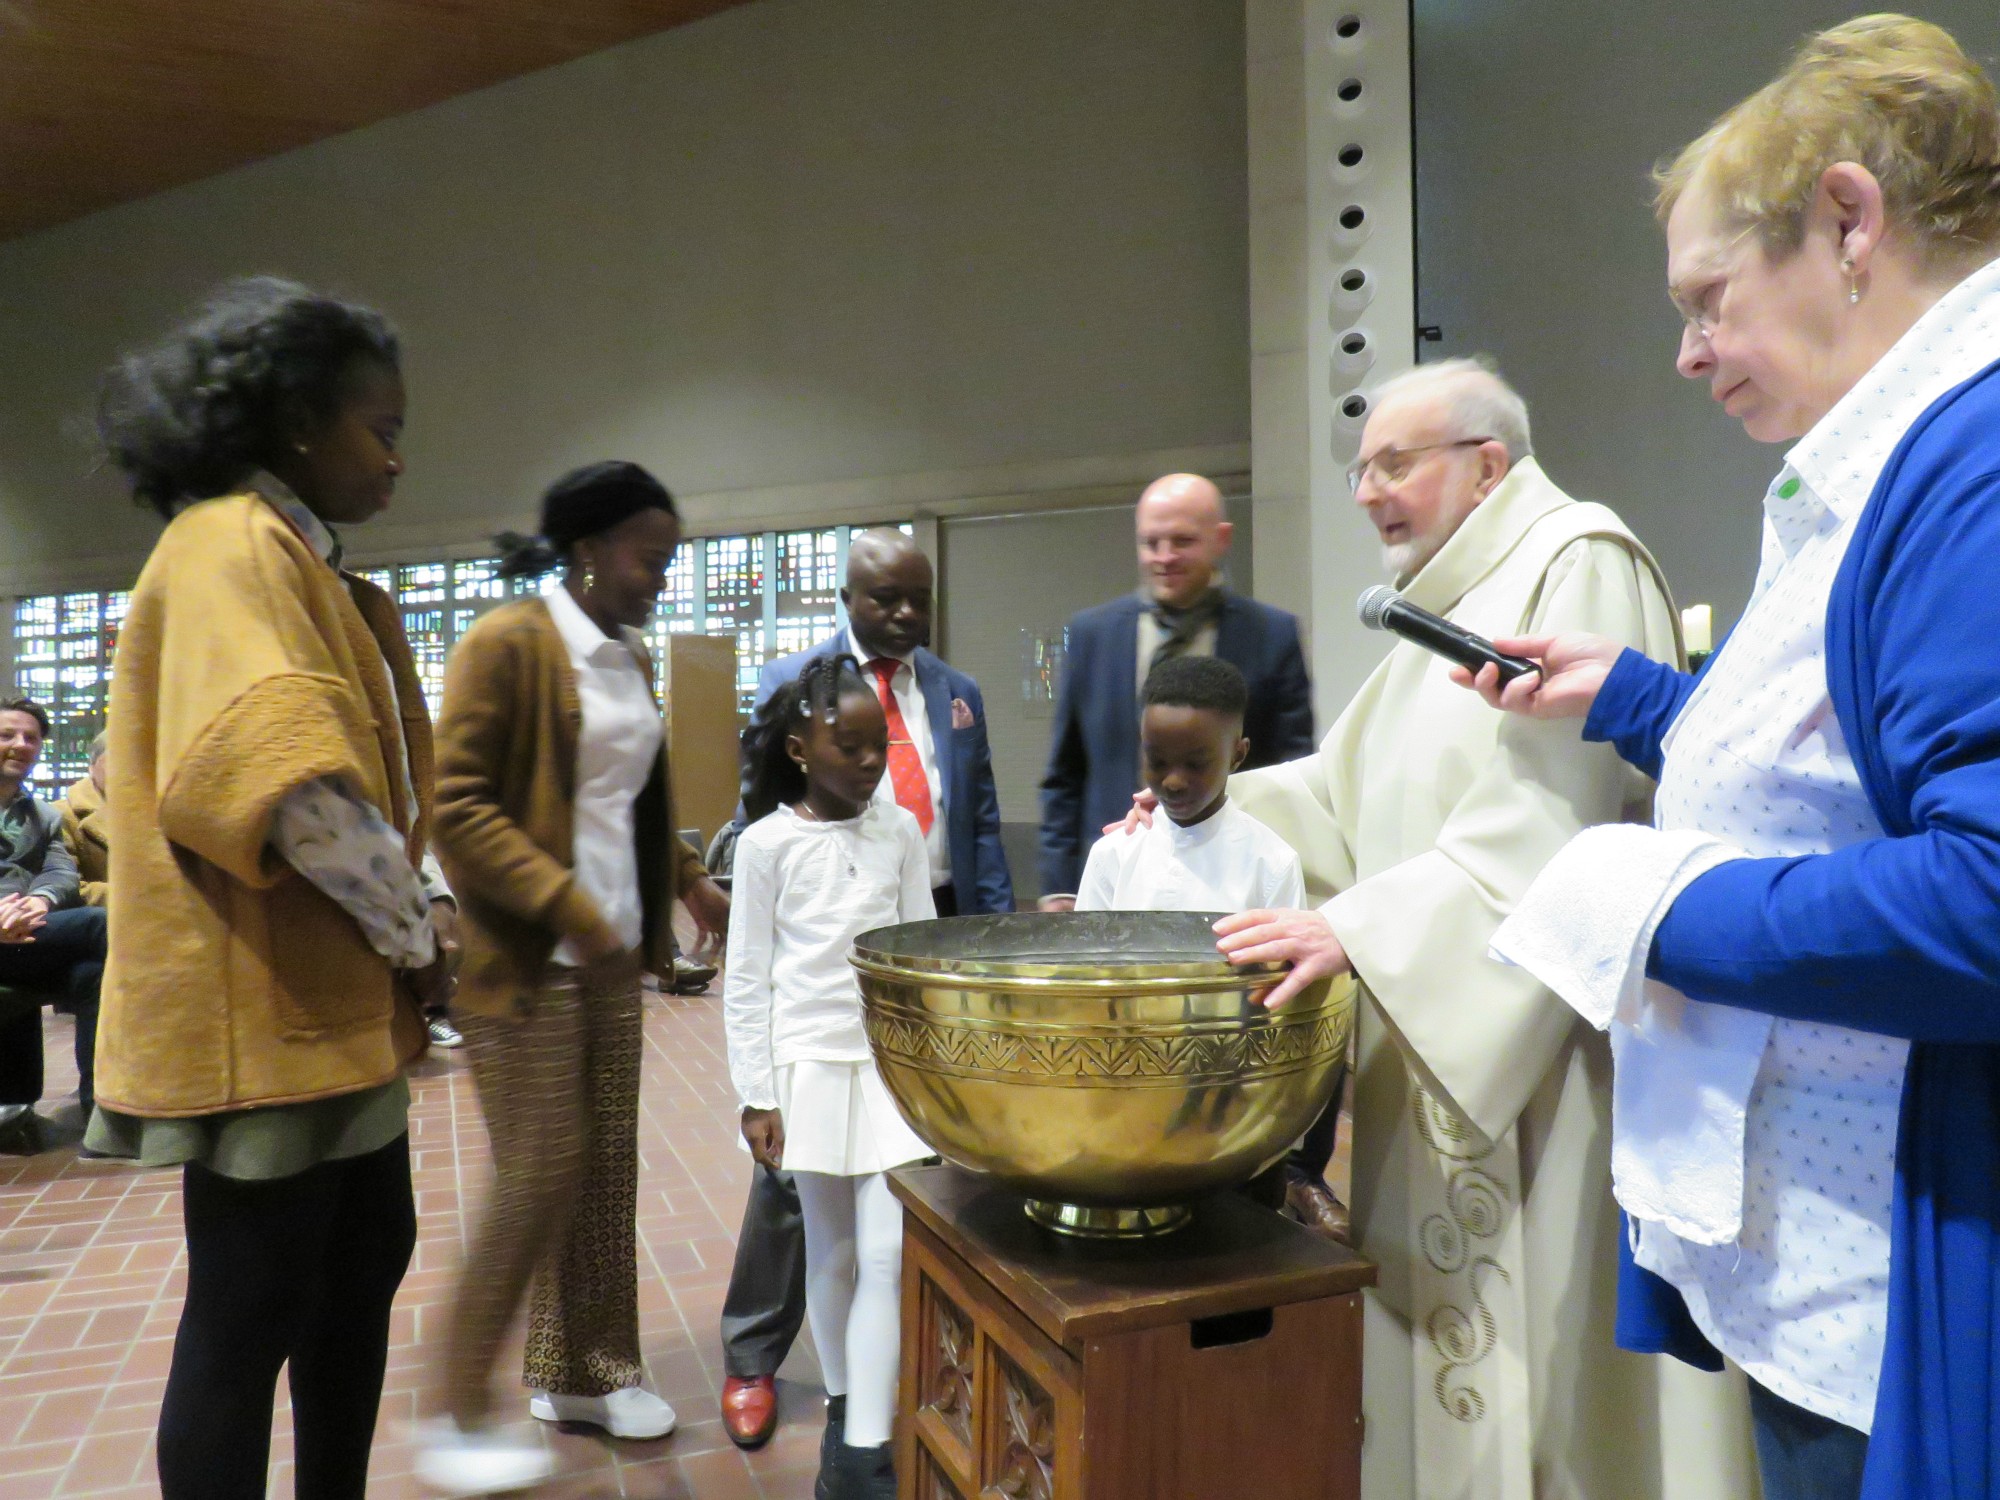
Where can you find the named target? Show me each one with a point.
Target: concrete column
(1332, 300)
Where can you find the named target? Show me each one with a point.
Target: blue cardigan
(1898, 935)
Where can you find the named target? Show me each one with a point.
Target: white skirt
(840, 1119)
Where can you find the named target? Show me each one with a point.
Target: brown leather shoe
(750, 1409)
(1313, 1205)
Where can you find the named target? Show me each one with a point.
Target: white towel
(1683, 1069)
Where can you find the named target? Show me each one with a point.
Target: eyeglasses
(1394, 465)
(1702, 312)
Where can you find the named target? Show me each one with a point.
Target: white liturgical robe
(1227, 862)
(1482, 1183)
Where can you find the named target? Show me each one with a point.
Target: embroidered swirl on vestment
(1462, 1340)
(1476, 1208)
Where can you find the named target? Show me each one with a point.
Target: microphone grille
(1373, 605)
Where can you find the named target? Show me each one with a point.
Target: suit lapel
(1234, 633)
(1124, 677)
(937, 706)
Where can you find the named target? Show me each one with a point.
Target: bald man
(941, 770)
(1182, 608)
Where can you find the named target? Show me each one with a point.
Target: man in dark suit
(1182, 609)
(941, 770)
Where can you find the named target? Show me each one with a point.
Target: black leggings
(303, 1269)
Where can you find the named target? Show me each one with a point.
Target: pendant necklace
(846, 854)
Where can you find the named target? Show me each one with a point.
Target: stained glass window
(775, 592)
(62, 659)
(733, 570)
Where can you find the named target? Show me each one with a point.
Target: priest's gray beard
(1402, 561)
(1405, 560)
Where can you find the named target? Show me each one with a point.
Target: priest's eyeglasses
(1394, 465)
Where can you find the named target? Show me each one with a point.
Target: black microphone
(1382, 608)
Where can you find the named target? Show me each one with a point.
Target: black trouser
(1802, 1455)
(1309, 1159)
(300, 1269)
(766, 1303)
(66, 958)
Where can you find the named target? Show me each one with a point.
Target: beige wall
(1537, 122)
(806, 258)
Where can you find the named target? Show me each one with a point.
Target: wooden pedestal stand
(1220, 1361)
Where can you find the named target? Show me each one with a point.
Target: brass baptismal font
(1112, 1067)
(1134, 1333)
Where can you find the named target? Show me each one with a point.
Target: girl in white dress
(819, 864)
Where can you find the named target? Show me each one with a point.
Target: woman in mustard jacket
(269, 778)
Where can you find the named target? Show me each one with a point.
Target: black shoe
(864, 1473)
(443, 1033)
(30, 1134)
(691, 977)
(829, 1446)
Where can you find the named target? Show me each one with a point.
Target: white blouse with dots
(1757, 758)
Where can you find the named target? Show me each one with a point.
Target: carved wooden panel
(947, 1376)
(932, 1481)
(1024, 1417)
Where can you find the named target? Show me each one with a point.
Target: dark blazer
(1094, 752)
(979, 875)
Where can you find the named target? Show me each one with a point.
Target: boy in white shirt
(1206, 854)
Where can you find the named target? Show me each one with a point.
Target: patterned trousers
(560, 1092)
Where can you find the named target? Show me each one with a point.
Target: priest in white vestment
(1481, 1102)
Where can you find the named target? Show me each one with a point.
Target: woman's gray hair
(98, 742)
(1478, 402)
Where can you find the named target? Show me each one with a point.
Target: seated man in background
(83, 828)
(49, 941)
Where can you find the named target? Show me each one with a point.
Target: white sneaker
(631, 1413)
(456, 1462)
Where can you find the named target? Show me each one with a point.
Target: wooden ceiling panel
(104, 101)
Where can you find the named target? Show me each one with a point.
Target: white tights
(854, 1271)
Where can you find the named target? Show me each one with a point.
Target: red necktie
(906, 767)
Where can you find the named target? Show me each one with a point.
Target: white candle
(1698, 628)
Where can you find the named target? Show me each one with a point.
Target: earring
(1853, 287)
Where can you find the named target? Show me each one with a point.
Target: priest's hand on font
(1303, 939)
(1573, 668)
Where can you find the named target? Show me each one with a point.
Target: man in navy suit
(1182, 609)
(937, 721)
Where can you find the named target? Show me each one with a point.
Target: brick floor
(92, 1270)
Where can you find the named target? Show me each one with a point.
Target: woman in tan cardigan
(269, 775)
(556, 831)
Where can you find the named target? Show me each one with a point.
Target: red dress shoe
(750, 1409)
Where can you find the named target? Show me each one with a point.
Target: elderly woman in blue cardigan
(1799, 964)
